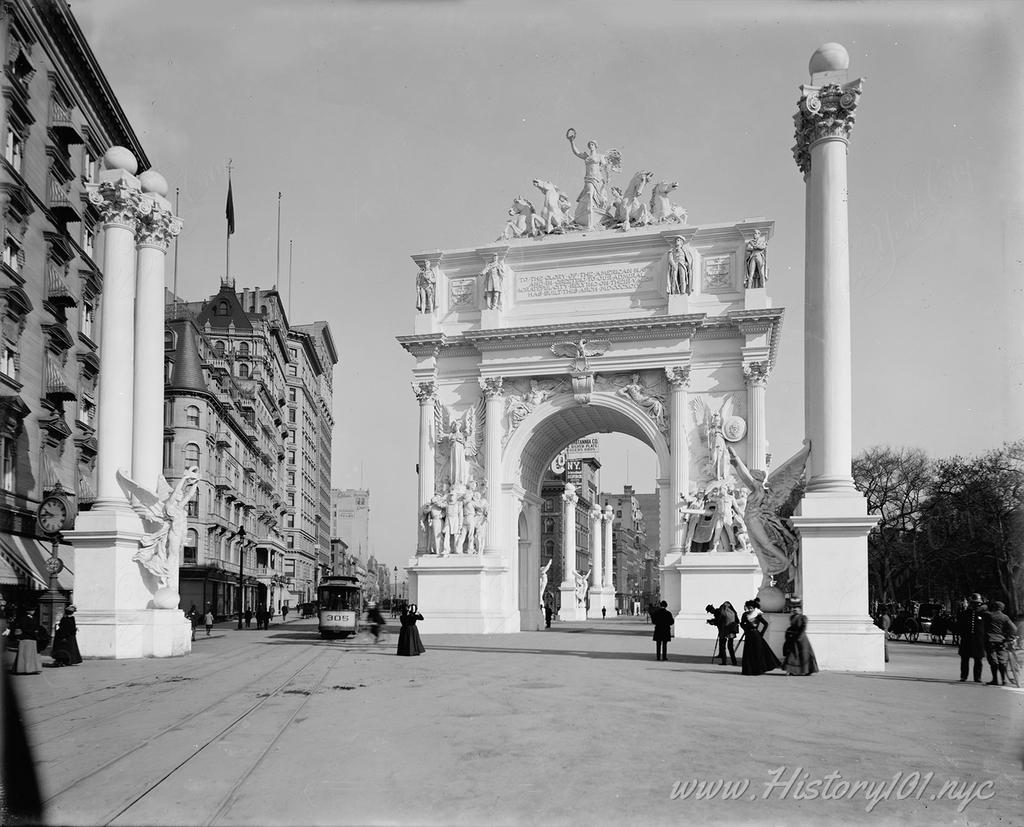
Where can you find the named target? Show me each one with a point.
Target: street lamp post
(394, 591)
(241, 573)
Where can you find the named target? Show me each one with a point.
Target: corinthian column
(607, 518)
(491, 386)
(155, 232)
(755, 375)
(596, 562)
(425, 395)
(832, 518)
(569, 500)
(679, 381)
(118, 195)
(824, 122)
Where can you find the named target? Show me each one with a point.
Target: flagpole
(277, 277)
(289, 278)
(177, 212)
(227, 235)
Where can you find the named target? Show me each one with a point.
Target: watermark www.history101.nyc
(797, 784)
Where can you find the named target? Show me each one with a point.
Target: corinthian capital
(424, 391)
(569, 495)
(824, 112)
(491, 385)
(120, 202)
(158, 227)
(756, 373)
(678, 376)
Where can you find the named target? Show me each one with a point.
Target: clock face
(52, 514)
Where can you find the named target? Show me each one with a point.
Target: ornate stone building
(58, 116)
(350, 519)
(232, 406)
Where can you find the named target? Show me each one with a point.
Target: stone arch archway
(549, 428)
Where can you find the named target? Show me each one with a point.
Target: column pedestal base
(709, 577)
(756, 298)
(833, 529)
(570, 609)
(463, 594)
(596, 602)
(114, 595)
(678, 304)
(425, 323)
(608, 599)
(490, 318)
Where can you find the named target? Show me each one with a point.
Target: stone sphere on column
(117, 157)
(830, 57)
(153, 183)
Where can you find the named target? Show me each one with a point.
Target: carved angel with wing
(465, 438)
(774, 541)
(712, 422)
(159, 550)
(653, 404)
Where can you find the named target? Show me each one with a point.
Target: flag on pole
(229, 211)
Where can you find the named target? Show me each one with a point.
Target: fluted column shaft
(120, 201)
(569, 500)
(679, 381)
(425, 394)
(596, 568)
(755, 375)
(495, 399)
(607, 519)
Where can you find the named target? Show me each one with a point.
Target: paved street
(576, 725)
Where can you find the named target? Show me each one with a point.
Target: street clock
(55, 513)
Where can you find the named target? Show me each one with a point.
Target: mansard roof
(221, 318)
(187, 375)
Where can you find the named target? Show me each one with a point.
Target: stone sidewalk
(577, 724)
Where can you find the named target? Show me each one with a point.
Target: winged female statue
(774, 542)
(465, 436)
(712, 422)
(159, 550)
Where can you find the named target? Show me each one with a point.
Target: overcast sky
(395, 127)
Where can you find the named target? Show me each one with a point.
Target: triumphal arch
(610, 314)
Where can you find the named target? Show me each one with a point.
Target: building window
(8, 361)
(291, 415)
(291, 457)
(8, 461)
(88, 318)
(291, 499)
(291, 478)
(193, 506)
(289, 521)
(218, 350)
(243, 371)
(12, 254)
(191, 454)
(86, 412)
(14, 149)
(549, 549)
(292, 370)
(549, 525)
(291, 394)
(243, 349)
(88, 240)
(222, 309)
(290, 542)
(192, 416)
(191, 544)
(88, 165)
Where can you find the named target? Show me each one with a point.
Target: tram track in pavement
(141, 811)
(130, 686)
(180, 723)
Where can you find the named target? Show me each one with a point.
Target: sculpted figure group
(599, 205)
(456, 521)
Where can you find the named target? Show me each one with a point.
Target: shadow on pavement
(572, 652)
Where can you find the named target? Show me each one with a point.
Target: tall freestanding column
(119, 605)
(755, 375)
(156, 229)
(119, 198)
(491, 386)
(832, 519)
(425, 395)
(679, 381)
(597, 563)
(570, 608)
(607, 518)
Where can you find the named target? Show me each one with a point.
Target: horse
(551, 219)
(662, 209)
(630, 208)
(520, 222)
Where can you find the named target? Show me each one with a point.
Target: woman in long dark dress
(409, 642)
(27, 661)
(65, 641)
(757, 657)
(797, 654)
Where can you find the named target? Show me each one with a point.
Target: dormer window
(222, 309)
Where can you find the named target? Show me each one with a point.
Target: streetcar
(341, 605)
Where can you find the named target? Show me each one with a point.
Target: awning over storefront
(26, 558)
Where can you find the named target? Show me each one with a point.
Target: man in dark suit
(548, 611)
(663, 623)
(971, 626)
(728, 627)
